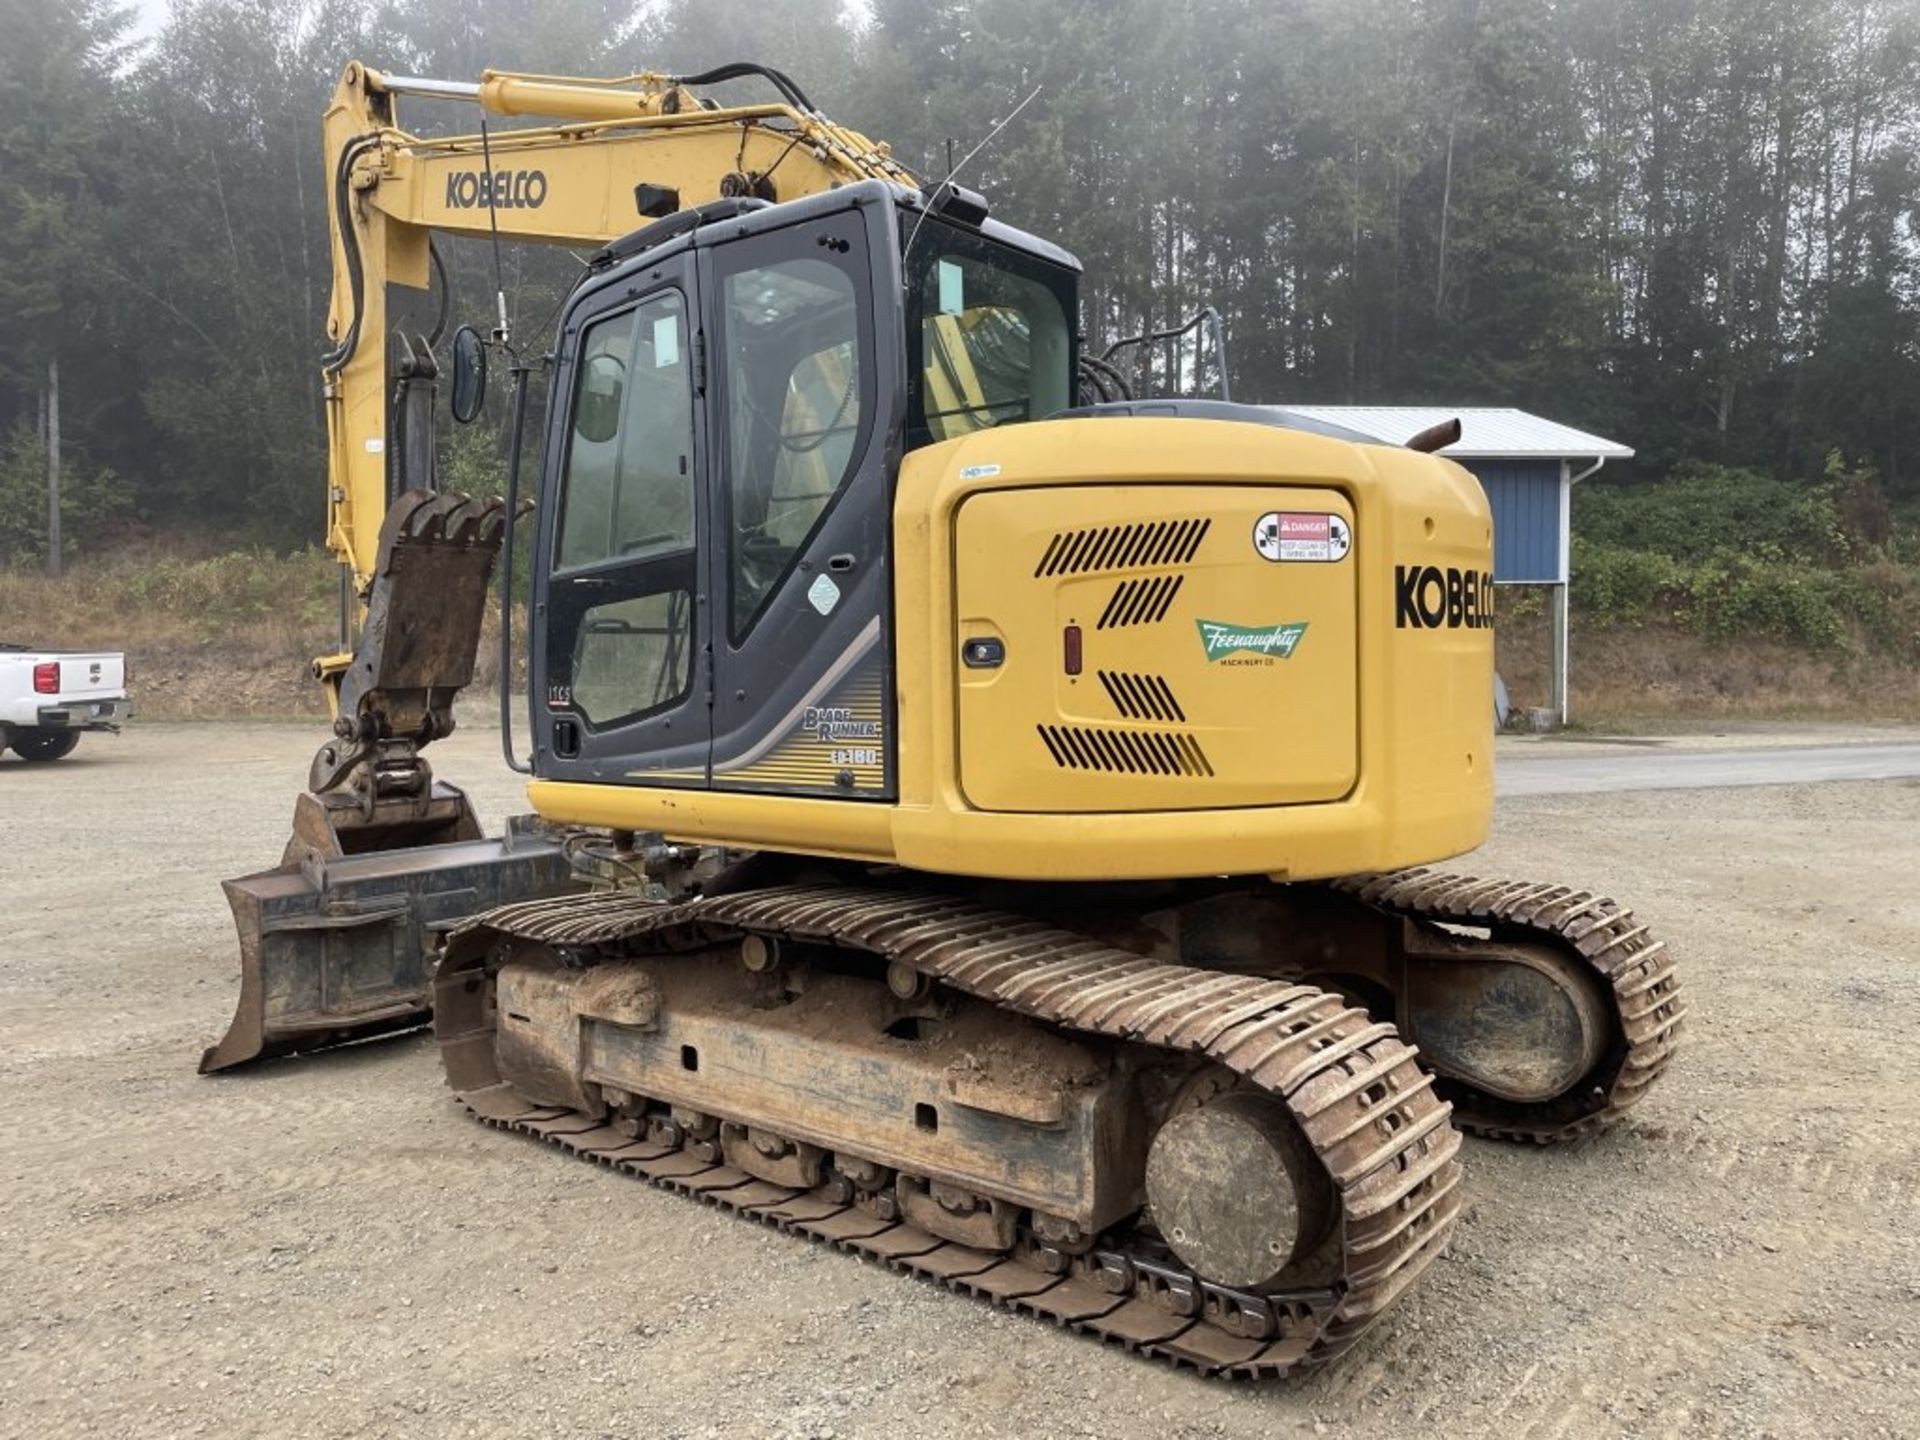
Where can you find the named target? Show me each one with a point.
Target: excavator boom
(625, 152)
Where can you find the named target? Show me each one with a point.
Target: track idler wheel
(1236, 1191)
(1520, 1022)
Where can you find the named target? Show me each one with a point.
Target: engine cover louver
(1123, 547)
(1128, 752)
(1140, 602)
(1141, 697)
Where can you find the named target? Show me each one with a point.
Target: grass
(208, 634)
(1658, 675)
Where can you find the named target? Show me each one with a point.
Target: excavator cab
(713, 594)
(829, 561)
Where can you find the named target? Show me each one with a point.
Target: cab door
(620, 630)
(804, 407)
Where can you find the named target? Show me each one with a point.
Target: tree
(1690, 223)
(56, 117)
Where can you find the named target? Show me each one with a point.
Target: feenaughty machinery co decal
(1273, 642)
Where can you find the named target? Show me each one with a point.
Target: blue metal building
(1528, 466)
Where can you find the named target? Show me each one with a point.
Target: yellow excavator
(981, 815)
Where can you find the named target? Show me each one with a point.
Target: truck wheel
(41, 745)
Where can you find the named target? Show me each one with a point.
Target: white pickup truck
(48, 697)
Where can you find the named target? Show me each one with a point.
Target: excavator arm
(624, 152)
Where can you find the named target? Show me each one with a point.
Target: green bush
(1736, 554)
(470, 461)
(1732, 595)
(1883, 599)
(1618, 586)
(1703, 509)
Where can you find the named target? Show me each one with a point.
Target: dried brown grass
(1633, 677)
(207, 635)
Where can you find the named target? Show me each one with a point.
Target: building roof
(1486, 432)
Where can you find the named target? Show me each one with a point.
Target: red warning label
(1282, 535)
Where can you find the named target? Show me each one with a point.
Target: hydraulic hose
(514, 763)
(335, 358)
(741, 69)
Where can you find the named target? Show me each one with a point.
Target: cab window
(796, 396)
(626, 515)
(992, 335)
(629, 476)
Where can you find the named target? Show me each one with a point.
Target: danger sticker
(1291, 535)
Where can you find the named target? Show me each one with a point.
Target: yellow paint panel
(1209, 675)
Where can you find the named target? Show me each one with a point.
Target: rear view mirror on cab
(602, 388)
(469, 374)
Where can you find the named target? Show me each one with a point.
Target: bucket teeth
(463, 525)
(400, 514)
(479, 522)
(448, 519)
(432, 521)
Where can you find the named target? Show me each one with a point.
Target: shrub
(1734, 554)
(1702, 509)
(1733, 595)
(1615, 585)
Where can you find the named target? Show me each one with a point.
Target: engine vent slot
(1125, 752)
(1141, 697)
(1123, 547)
(1140, 602)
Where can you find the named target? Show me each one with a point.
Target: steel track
(1636, 970)
(1352, 1085)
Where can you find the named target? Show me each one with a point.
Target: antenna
(953, 170)
(493, 225)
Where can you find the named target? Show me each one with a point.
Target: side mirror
(596, 414)
(469, 374)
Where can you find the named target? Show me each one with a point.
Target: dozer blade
(337, 941)
(338, 948)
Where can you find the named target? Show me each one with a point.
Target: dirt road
(326, 1247)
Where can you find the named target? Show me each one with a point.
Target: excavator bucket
(337, 941)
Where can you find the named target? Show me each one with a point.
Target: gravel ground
(327, 1247)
